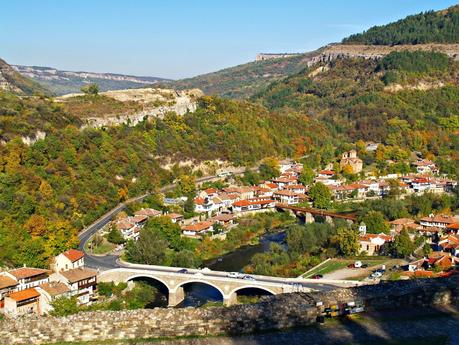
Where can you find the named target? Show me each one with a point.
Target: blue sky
(181, 38)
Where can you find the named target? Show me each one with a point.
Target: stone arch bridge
(309, 213)
(175, 281)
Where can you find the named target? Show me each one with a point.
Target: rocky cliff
(152, 103)
(62, 82)
(335, 51)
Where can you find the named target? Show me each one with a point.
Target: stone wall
(272, 313)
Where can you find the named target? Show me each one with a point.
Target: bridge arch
(148, 276)
(204, 282)
(255, 287)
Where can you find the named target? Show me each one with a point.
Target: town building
(254, 205)
(7, 286)
(373, 243)
(81, 281)
(148, 212)
(67, 260)
(350, 158)
(28, 277)
(439, 221)
(286, 197)
(425, 166)
(49, 292)
(22, 302)
(198, 229)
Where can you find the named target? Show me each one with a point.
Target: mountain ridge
(62, 82)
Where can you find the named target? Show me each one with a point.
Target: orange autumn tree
(36, 225)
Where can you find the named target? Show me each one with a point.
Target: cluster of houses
(223, 206)
(130, 226)
(28, 290)
(441, 232)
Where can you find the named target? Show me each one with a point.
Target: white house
(425, 166)
(438, 221)
(286, 197)
(198, 229)
(49, 292)
(81, 281)
(67, 260)
(28, 277)
(372, 243)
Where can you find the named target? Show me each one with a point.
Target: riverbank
(248, 233)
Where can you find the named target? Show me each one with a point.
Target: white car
(205, 269)
(376, 275)
(235, 275)
(358, 264)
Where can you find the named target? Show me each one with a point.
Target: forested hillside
(407, 99)
(12, 81)
(427, 27)
(51, 189)
(245, 80)
(25, 116)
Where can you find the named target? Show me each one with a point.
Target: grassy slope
(247, 79)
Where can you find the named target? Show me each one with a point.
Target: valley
(289, 191)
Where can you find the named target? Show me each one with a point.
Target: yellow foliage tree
(122, 193)
(348, 170)
(45, 190)
(36, 225)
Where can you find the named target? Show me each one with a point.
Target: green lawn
(328, 267)
(336, 264)
(104, 248)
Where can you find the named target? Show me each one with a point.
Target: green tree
(375, 222)
(149, 249)
(115, 236)
(90, 89)
(170, 231)
(403, 246)
(320, 195)
(307, 175)
(64, 306)
(269, 169)
(347, 241)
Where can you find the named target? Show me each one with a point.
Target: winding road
(110, 262)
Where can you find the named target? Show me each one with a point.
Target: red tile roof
(149, 212)
(6, 282)
(73, 255)
(198, 227)
(24, 295)
(327, 172)
(27, 272)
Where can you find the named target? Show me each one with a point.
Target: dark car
(183, 271)
(317, 276)
(364, 266)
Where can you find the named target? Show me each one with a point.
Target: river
(198, 294)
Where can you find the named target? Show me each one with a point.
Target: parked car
(235, 275)
(376, 275)
(317, 276)
(183, 271)
(364, 266)
(358, 264)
